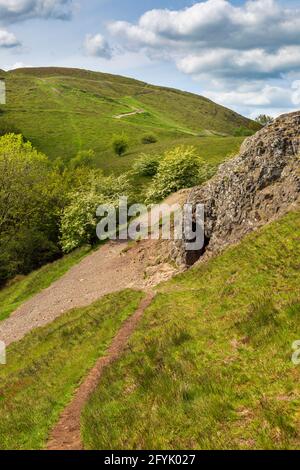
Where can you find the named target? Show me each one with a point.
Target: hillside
(210, 366)
(62, 111)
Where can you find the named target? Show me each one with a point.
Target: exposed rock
(257, 186)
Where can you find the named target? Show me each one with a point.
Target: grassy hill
(210, 366)
(46, 367)
(62, 111)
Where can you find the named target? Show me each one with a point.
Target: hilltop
(62, 111)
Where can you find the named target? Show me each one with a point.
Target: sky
(242, 54)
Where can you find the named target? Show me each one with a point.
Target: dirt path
(113, 267)
(66, 434)
(133, 113)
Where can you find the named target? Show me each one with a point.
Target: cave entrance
(192, 256)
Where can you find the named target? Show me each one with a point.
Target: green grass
(62, 111)
(45, 368)
(210, 365)
(23, 288)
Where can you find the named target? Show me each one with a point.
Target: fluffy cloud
(258, 23)
(251, 64)
(97, 46)
(18, 10)
(256, 98)
(224, 46)
(8, 40)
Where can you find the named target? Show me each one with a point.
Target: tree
(180, 168)
(120, 144)
(84, 158)
(30, 200)
(146, 165)
(79, 221)
(264, 119)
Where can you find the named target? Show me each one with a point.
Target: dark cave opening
(192, 256)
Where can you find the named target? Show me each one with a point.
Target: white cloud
(18, 10)
(268, 96)
(254, 63)
(18, 65)
(258, 23)
(224, 46)
(97, 46)
(8, 39)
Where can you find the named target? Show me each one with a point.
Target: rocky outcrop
(257, 186)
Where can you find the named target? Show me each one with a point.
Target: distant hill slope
(63, 111)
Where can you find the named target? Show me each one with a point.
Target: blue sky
(243, 54)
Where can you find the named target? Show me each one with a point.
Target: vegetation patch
(65, 111)
(44, 369)
(23, 288)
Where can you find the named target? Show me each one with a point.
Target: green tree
(84, 158)
(79, 221)
(264, 119)
(120, 144)
(30, 201)
(180, 168)
(146, 165)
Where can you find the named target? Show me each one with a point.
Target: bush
(85, 158)
(30, 199)
(178, 169)
(149, 139)
(78, 224)
(120, 144)
(79, 221)
(243, 132)
(7, 127)
(146, 165)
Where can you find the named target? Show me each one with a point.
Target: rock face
(257, 186)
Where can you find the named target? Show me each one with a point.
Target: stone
(252, 189)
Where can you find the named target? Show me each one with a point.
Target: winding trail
(66, 434)
(133, 113)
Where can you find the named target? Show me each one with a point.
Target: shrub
(178, 169)
(149, 139)
(7, 127)
(120, 144)
(243, 132)
(78, 224)
(85, 158)
(30, 199)
(79, 221)
(146, 165)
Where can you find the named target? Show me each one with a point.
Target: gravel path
(109, 269)
(113, 267)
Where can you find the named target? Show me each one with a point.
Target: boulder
(250, 190)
